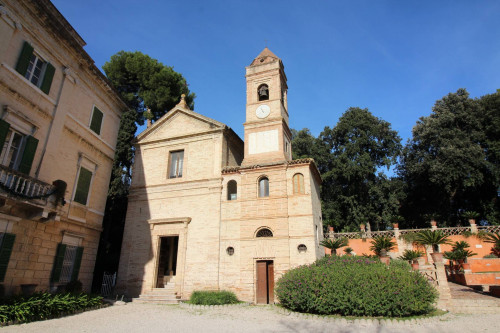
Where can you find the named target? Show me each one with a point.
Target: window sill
(87, 129)
(28, 83)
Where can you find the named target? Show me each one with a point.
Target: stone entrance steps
(475, 306)
(467, 300)
(165, 295)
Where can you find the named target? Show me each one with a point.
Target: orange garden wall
(361, 246)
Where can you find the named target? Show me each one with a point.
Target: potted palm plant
(395, 219)
(459, 253)
(411, 256)
(494, 238)
(382, 245)
(452, 259)
(348, 251)
(335, 244)
(471, 216)
(433, 238)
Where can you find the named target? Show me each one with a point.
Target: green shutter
(58, 262)
(4, 130)
(24, 59)
(28, 155)
(77, 263)
(96, 121)
(5, 251)
(83, 186)
(47, 78)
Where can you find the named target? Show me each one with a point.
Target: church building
(208, 211)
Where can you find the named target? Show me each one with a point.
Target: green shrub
(213, 298)
(356, 286)
(42, 305)
(400, 264)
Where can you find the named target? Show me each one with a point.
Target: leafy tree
(305, 145)
(353, 190)
(142, 82)
(450, 164)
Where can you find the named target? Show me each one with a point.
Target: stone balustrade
(19, 184)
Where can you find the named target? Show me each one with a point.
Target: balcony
(29, 198)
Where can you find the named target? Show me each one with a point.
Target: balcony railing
(23, 186)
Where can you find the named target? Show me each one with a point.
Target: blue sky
(395, 58)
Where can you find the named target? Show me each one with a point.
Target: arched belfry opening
(263, 92)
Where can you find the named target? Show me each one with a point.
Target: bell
(263, 92)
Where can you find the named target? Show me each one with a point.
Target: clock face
(262, 111)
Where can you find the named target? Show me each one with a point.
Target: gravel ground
(173, 318)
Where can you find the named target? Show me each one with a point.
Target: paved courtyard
(173, 318)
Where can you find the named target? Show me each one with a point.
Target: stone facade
(213, 205)
(59, 121)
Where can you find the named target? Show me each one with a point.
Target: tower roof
(264, 57)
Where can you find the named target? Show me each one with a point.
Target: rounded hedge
(356, 286)
(213, 298)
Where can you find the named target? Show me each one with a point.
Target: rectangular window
(18, 150)
(11, 148)
(176, 163)
(67, 263)
(96, 120)
(35, 69)
(6, 245)
(83, 186)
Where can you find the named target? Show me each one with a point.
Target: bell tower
(267, 133)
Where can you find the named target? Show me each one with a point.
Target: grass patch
(213, 298)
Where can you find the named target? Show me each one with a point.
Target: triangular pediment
(179, 122)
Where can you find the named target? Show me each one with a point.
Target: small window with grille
(264, 232)
(68, 263)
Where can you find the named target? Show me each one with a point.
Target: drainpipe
(54, 112)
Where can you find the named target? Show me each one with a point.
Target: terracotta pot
(433, 223)
(437, 257)
(362, 227)
(385, 260)
(395, 225)
(472, 221)
(415, 266)
(465, 266)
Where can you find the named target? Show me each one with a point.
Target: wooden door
(270, 282)
(265, 282)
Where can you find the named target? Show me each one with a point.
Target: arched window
(263, 92)
(232, 190)
(263, 187)
(264, 232)
(298, 184)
